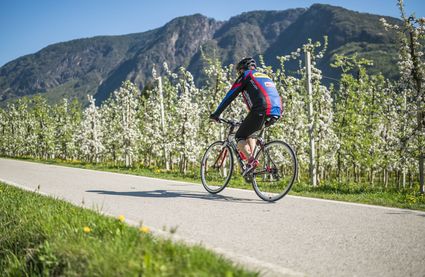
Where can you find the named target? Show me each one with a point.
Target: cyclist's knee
(240, 141)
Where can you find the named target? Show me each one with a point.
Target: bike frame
(234, 149)
(232, 144)
(269, 169)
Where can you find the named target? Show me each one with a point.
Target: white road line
(237, 189)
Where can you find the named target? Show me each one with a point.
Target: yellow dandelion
(121, 218)
(86, 229)
(144, 229)
(158, 171)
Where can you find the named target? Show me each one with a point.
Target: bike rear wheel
(276, 171)
(216, 167)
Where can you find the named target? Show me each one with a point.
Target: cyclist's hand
(214, 117)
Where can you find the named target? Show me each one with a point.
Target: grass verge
(408, 198)
(361, 193)
(41, 236)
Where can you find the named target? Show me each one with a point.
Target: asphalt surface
(294, 237)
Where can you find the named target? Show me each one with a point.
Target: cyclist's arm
(230, 96)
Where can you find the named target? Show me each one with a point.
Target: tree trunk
(385, 178)
(355, 173)
(339, 168)
(347, 173)
(398, 179)
(421, 174)
(404, 178)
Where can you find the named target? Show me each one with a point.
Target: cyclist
(264, 104)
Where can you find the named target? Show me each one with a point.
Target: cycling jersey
(259, 93)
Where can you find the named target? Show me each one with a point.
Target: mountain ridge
(99, 64)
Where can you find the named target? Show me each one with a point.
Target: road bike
(272, 179)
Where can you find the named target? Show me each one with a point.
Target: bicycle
(272, 179)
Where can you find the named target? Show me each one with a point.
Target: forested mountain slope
(98, 65)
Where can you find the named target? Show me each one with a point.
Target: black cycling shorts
(253, 122)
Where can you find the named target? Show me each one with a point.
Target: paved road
(293, 237)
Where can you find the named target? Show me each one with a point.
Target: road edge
(264, 268)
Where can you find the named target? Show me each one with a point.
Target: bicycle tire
(269, 169)
(207, 181)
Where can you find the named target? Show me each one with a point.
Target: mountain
(98, 65)
(348, 33)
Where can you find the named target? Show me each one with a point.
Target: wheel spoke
(216, 167)
(276, 172)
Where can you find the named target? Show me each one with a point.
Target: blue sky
(27, 26)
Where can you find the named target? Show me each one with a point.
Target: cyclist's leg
(251, 142)
(244, 148)
(247, 146)
(252, 123)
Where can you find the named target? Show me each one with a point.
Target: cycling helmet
(245, 64)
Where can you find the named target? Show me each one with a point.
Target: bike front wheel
(276, 171)
(216, 167)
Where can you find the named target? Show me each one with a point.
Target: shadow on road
(408, 213)
(170, 194)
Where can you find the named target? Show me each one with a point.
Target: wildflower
(144, 229)
(121, 218)
(86, 229)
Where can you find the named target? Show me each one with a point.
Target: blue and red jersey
(259, 93)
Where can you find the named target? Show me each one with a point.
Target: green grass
(357, 193)
(42, 236)
(361, 193)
